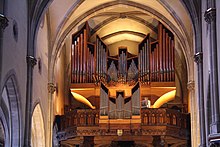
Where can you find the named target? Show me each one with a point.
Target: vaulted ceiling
(116, 21)
(123, 23)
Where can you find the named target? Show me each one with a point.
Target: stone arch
(4, 130)
(11, 99)
(180, 37)
(61, 37)
(37, 128)
(2, 134)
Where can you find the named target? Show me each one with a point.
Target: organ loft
(126, 98)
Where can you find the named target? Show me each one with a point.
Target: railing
(163, 116)
(79, 118)
(160, 121)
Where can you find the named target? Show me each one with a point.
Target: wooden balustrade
(151, 117)
(158, 121)
(163, 116)
(79, 118)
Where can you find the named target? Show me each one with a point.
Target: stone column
(31, 62)
(210, 18)
(51, 89)
(3, 25)
(195, 129)
(199, 59)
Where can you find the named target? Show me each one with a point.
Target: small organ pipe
(173, 60)
(85, 52)
(148, 60)
(97, 57)
(144, 63)
(157, 63)
(72, 62)
(81, 58)
(160, 50)
(168, 56)
(170, 59)
(165, 56)
(75, 61)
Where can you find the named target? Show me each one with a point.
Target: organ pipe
(161, 49)
(165, 56)
(155, 61)
(82, 57)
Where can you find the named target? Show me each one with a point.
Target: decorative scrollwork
(3, 21)
(198, 57)
(51, 88)
(191, 85)
(31, 61)
(210, 15)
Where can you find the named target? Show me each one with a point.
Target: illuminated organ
(125, 94)
(114, 78)
(91, 62)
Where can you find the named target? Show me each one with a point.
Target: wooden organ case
(122, 88)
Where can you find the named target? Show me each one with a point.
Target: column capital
(191, 85)
(51, 88)
(31, 61)
(210, 15)
(3, 21)
(198, 57)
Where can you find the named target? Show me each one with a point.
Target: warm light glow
(82, 89)
(37, 128)
(82, 99)
(123, 36)
(164, 98)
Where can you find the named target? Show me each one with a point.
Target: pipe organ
(122, 78)
(83, 57)
(101, 60)
(162, 56)
(119, 89)
(144, 60)
(91, 62)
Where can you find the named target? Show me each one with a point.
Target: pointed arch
(11, 100)
(4, 130)
(37, 128)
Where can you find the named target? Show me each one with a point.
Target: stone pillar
(210, 18)
(3, 25)
(199, 59)
(31, 62)
(194, 116)
(51, 89)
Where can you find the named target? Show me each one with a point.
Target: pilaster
(3, 25)
(195, 127)
(210, 18)
(198, 58)
(31, 62)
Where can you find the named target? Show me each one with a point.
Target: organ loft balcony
(123, 113)
(125, 99)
